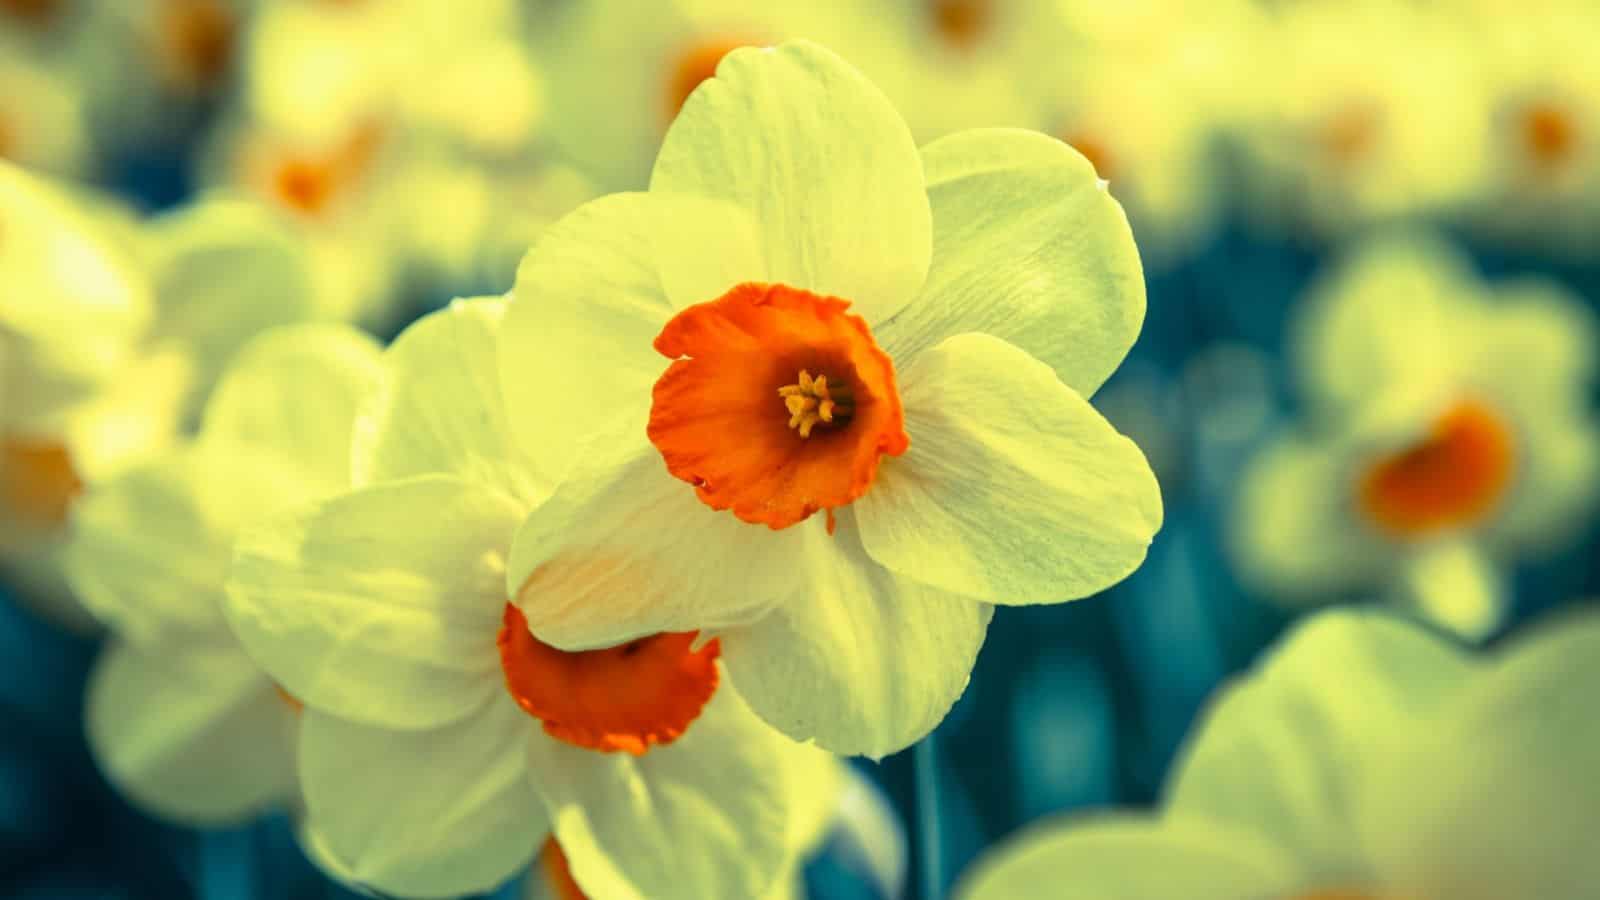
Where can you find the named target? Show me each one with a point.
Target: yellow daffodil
(1448, 429)
(113, 332)
(384, 610)
(822, 395)
(1542, 188)
(1368, 112)
(1364, 759)
(178, 716)
(617, 78)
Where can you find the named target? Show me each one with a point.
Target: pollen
(812, 400)
(1454, 477)
(627, 698)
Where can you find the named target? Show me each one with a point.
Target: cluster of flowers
(614, 567)
(740, 462)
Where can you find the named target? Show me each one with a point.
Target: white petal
(295, 391)
(701, 817)
(1283, 751)
(202, 740)
(1127, 857)
(1015, 490)
(821, 161)
(435, 813)
(861, 659)
(150, 548)
(381, 605)
(623, 549)
(1497, 795)
(577, 360)
(1029, 247)
(440, 410)
(226, 270)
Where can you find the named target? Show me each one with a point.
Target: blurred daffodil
(1449, 431)
(384, 610)
(178, 716)
(75, 305)
(1367, 112)
(1364, 759)
(865, 369)
(617, 79)
(42, 118)
(1542, 190)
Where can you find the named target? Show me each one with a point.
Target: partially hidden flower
(178, 716)
(822, 395)
(1448, 433)
(1363, 759)
(443, 744)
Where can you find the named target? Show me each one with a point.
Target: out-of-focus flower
(1363, 759)
(1368, 112)
(1542, 190)
(950, 65)
(41, 118)
(617, 78)
(114, 330)
(806, 315)
(384, 610)
(74, 307)
(1449, 431)
(1147, 92)
(178, 716)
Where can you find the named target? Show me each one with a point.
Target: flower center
(627, 697)
(1350, 134)
(713, 418)
(309, 184)
(557, 874)
(1454, 476)
(690, 68)
(1549, 134)
(31, 12)
(198, 38)
(961, 23)
(37, 481)
(811, 400)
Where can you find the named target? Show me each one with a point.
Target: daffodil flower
(1364, 759)
(178, 716)
(822, 395)
(114, 330)
(384, 610)
(1448, 432)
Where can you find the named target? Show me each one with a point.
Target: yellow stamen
(811, 400)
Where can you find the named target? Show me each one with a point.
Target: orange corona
(777, 403)
(1454, 477)
(625, 698)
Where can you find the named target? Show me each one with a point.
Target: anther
(812, 400)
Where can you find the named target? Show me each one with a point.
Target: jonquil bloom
(822, 395)
(442, 744)
(1448, 431)
(1364, 759)
(178, 716)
